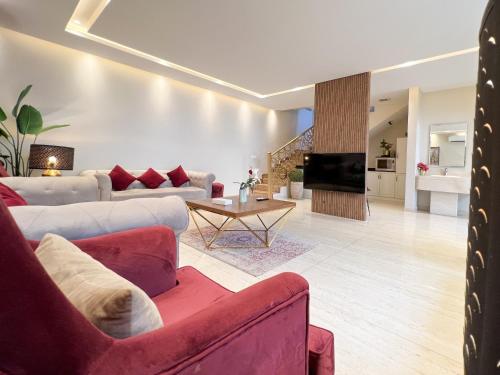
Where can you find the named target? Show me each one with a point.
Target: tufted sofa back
(54, 191)
(203, 180)
(197, 178)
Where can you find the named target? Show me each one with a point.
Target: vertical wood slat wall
(341, 109)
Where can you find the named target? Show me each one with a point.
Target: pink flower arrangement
(422, 167)
(251, 181)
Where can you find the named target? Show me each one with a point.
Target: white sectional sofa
(199, 187)
(70, 207)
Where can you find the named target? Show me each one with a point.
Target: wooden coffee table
(236, 212)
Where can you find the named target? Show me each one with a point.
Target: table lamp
(52, 159)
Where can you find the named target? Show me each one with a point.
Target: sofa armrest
(90, 219)
(104, 185)
(202, 180)
(271, 317)
(146, 256)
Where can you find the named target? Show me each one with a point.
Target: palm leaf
(51, 127)
(20, 99)
(29, 120)
(3, 116)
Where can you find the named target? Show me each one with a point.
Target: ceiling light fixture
(88, 11)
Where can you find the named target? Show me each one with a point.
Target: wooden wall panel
(341, 109)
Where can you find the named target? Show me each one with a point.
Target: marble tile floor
(391, 288)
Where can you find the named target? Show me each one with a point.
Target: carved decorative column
(482, 301)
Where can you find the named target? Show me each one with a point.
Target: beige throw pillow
(112, 303)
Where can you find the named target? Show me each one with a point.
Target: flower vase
(243, 195)
(421, 172)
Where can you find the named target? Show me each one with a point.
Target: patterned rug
(255, 261)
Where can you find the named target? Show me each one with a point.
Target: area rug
(254, 261)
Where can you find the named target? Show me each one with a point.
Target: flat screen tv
(335, 172)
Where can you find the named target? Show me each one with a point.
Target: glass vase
(243, 195)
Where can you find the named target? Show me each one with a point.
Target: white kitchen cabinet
(400, 185)
(390, 184)
(372, 183)
(381, 184)
(387, 187)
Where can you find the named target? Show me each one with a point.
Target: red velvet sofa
(208, 329)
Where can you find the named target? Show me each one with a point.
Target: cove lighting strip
(427, 60)
(88, 11)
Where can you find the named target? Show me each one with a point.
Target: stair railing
(276, 168)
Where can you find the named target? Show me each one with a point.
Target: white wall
(413, 146)
(385, 111)
(442, 107)
(124, 115)
(390, 134)
(305, 119)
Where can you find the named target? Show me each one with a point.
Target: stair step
(289, 159)
(260, 187)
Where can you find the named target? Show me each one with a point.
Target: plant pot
(243, 195)
(296, 190)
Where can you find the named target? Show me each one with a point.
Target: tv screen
(335, 172)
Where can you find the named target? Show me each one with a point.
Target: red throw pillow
(3, 171)
(152, 179)
(10, 197)
(178, 176)
(120, 178)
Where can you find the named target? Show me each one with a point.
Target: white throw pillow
(112, 303)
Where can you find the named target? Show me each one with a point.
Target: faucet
(445, 171)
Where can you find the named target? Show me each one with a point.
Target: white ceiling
(268, 46)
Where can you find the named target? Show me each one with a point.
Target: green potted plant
(296, 177)
(28, 125)
(386, 147)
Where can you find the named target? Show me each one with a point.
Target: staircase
(282, 161)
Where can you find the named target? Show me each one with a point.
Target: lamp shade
(61, 158)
